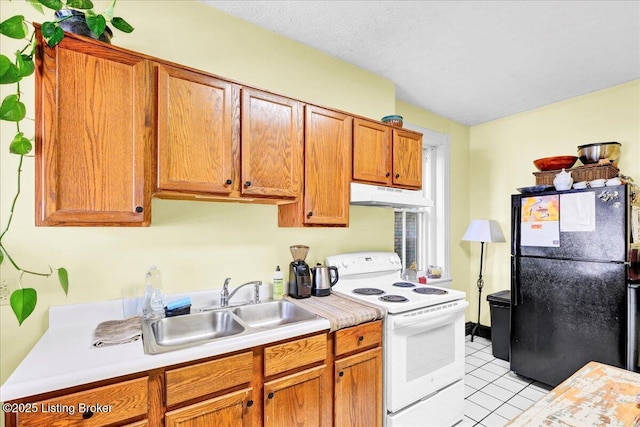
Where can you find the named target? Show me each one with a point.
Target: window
(422, 236)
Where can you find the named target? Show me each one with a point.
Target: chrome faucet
(225, 296)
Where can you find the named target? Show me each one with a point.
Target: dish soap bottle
(278, 284)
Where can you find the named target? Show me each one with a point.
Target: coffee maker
(299, 273)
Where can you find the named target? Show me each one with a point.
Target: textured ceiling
(469, 61)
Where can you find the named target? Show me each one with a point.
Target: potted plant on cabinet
(76, 16)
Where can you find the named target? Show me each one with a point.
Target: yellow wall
(195, 244)
(502, 151)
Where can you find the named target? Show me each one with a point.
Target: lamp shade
(483, 230)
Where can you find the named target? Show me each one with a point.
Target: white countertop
(65, 357)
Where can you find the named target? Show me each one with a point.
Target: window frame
(434, 243)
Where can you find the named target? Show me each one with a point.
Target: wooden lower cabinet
(358, 389)
(229, 410)
(297, 400)
(102, 406)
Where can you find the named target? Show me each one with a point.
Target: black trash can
(500, 306)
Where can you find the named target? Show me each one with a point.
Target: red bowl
(555, 163)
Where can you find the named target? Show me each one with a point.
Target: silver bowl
(593, 153)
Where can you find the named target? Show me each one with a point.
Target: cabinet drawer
(97, 407)
(197, 380)
(294, 354)
(358, 337)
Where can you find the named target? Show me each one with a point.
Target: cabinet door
(198, 132)
(94, 135)
(327, 162)
(271, 145)
(297, 400)
(229, 410)
(358, 389)
(327, 171)
(407, 159)
(371, 152)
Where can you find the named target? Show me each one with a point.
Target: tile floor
(493, 394)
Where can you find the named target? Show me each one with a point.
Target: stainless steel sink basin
(185, 331)
(189, 330)
(272, 314)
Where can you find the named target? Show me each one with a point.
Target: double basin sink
(173, 333)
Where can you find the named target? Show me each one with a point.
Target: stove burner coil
(368, 291)
(393, 298)
(430, 291)
(404, 285)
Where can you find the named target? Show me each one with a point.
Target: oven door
(424, 352)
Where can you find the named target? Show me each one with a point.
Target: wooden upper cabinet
(198, 132)
(371, 152)
(272, 145)
(407, 158)
(386, 156)
(327, 171)
(94, 135)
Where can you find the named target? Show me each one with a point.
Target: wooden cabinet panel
(358, 389)
(198, 132)
(198, 380)
(327, 164)
(371, 152)
(272, 144)
(229, 410)
(358, 337)
(407, 159)
(98, 407)
(94, 135)
(297, 400)
(294, 354)
(327, 171)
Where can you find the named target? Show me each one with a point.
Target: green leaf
(36, 5)
(24, 64)
(52, 33)
(1, 256)
(96, 23)
(14, 27)
(9, 73)
(80, 4)
(48, 29)
(121, 25)
(20, 145)
(52, 4)
(12, 110)
(23, 302)
(63, 277)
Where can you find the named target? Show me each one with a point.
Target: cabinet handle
(341, 374)
(361, 338)
(139, 209)
(310, 214)
(388, 174)
(249, 403)
(270, 395)
(247, 184)
(87, 414)
(228, 182)
(397, 175)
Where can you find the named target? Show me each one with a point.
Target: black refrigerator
(571, 298)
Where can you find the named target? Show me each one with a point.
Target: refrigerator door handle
(515, 227)
(515, 282)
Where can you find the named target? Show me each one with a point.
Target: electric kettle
(323, 279)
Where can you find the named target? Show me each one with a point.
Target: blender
(299, 273)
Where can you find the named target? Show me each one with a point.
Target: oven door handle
(427, 316)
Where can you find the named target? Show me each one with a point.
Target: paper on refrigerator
(539, 221)
(578, 212)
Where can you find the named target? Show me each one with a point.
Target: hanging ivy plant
(23, 300)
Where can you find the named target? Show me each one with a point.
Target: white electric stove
(423, 342)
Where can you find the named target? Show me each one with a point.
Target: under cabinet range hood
(376, 195)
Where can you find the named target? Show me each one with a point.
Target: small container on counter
(278, 284)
